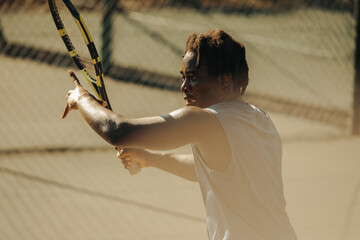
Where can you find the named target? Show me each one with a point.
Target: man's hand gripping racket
(132, 156)
(73, 97)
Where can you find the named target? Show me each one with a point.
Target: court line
(97, 194)
(55, 149)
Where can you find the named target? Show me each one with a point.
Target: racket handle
(135, 168)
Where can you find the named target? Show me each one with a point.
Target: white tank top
(246, 201)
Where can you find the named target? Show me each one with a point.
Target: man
(236, 149)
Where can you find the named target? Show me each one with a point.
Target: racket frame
(97, 84)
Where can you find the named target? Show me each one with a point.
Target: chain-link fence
(300, 53)
(59, 180)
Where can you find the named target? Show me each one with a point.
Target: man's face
(199, 87)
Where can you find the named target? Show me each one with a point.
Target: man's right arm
(181, 165)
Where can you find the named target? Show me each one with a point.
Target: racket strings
(76, 38)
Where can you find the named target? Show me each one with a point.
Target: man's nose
(185, 86)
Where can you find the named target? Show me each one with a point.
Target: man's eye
(193, 77)
(189, 77)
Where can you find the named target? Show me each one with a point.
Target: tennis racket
(77, 39)
(79, 44)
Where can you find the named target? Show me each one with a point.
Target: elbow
(113, 139)
(120, 134)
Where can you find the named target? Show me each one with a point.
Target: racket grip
(135, 168)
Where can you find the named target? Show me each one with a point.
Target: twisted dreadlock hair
(221, 55)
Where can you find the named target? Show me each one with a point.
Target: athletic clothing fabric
(246, 201)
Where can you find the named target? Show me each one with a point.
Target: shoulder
(194, 121)
(191, 113)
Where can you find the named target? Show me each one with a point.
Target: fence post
(356, 99)
(107, 34)
(3, 41)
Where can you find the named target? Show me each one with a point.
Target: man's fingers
(126, 163)
(67, 110)
(102, 102)
(123, 153)
(71, 104)
(75, 79)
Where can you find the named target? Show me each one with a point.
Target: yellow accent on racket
(62, 32)
(82, 31)
(98, 81)
(73, 53)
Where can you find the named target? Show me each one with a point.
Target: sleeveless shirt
(246, 201)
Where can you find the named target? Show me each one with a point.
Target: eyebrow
(194, 71)
(189, 71)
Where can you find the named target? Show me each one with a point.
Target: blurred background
(58, 180)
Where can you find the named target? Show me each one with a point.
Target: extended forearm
(101, 120)
(181, 165)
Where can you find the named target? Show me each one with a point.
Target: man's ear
(226, 79)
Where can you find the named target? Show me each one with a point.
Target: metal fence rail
(59, 180)
(300, 53)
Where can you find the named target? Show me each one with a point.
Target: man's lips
(189, 100)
